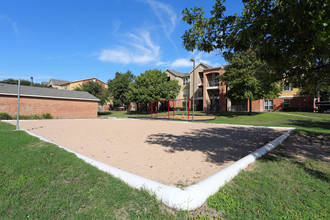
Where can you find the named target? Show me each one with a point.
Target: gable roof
(207, 66)
(176, 73)
(58, 82)
(68, 82)
(30, 91)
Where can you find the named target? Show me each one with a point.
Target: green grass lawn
(39, 180)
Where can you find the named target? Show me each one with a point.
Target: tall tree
(153, 85)
(96, 90)
(292, 36)
(119, 88)
(248, 79)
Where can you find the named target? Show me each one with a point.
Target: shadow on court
(221, 145)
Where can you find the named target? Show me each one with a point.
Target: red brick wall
(58, 108)
(258, 105)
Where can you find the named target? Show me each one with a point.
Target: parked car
(120, 109)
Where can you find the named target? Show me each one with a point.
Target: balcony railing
(213, 83)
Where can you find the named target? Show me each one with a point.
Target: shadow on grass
(221, 145)
(304, 145)
(233, 114)
(325, 125)
(312, 172)
(298, 147)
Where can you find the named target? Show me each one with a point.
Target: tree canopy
(247, 78)
(153, 85)
(96, 90)
(119, 87)
(23, 82)
(291, 36)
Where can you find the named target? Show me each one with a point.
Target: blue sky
(79, 39)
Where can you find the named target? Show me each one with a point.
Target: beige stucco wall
(180, 80)
(194, 75)
(293, 92)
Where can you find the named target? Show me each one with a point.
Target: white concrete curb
(193, 196)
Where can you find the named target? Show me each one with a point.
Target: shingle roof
(58, 81)
(8, 89)
(208, 66)
(177, 73)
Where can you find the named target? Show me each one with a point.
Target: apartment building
(75, 84)
(209, 93)
(68, 85)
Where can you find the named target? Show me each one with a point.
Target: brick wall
(299, 102)
(58, 108)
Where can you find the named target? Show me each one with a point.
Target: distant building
(72, 85)
(68, 85)
(209, 93)
(38, 100)
(57, 83)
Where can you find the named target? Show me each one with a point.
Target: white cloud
(115, 25)
(140, 50)
(166, 15)
(8, 20)
(203, 57)
(181, 63)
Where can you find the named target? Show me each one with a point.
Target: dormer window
(185, 81)
(287, 87)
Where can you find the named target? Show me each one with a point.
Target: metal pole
(193, 78)
(18, 95)
(157, 109)
(187, 107)
(168, 108)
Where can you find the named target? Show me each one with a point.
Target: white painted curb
(192, 197)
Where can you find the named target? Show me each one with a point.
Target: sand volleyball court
(170, 152)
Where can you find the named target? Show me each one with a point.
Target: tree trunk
(250, 107)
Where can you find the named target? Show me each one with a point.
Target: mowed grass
(291, 182)
(41, 181)
(277, 186)
(317, 122)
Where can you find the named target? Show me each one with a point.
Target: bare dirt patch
(168, 152)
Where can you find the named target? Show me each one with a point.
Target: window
(185, 81)
(185, 93)
(268, 104)
(286, 103)
(200, 93)
(287, 87)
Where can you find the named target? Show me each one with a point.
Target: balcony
(213, 84)
(200, 83)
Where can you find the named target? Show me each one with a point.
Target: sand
(170, 152)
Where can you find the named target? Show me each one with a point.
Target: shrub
(36, 116)
(104, 113)
(179, 108)
(5, 116)
(47, 116)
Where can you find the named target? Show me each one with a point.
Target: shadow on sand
(221, 145)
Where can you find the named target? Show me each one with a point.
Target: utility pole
(193, 78)
(18, 95)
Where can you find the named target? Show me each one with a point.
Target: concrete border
(193, 196)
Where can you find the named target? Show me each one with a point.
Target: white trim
(50, 97)
(193, 196)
